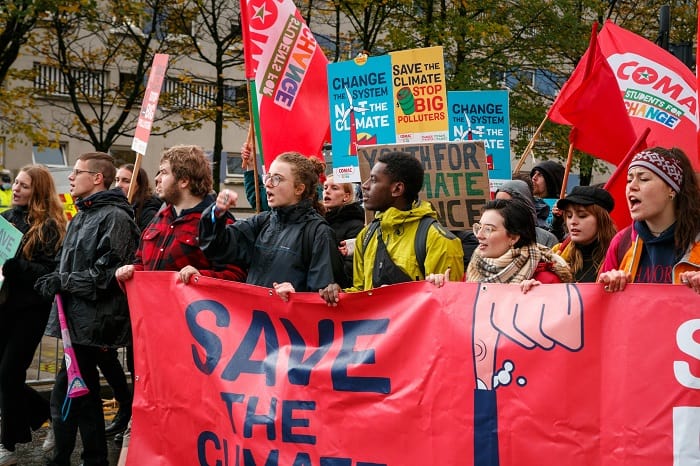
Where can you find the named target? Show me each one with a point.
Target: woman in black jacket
(344, 215)
(289, 248)
(37, 212)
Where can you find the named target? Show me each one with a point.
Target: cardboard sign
(456, 178)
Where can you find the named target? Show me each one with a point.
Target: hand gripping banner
(412, 375)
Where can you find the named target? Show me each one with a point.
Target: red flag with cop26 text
(658, 89)
(289, 67)
(412, 375)
(593, 86)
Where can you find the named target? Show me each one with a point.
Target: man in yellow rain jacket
(386, 249)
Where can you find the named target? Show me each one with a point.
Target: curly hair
(403, 167)
(43, 210)
(306, 171)
(188, 162)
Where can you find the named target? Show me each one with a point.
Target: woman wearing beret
(586, 211)
(661, 246)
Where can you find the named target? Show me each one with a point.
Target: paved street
(30, 454)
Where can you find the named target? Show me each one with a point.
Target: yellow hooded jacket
(398, 228)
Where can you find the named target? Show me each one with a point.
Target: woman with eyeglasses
(36, 212)
(508, 251)
(289, 248)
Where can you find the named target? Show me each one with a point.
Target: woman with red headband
(662, 245)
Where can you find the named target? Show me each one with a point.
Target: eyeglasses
(274, 180)
(77, 172)
(486, 230)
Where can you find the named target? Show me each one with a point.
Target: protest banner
(414, 375)
(483, 116)
(420, 90)
(456, 177)
(149, 104)
(147, 115)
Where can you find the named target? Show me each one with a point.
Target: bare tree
(213, 33)
(96, 60)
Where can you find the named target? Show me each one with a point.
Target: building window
(122, 155)
(50, 156)
(233, 164)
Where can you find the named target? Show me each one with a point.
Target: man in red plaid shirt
(170, 241)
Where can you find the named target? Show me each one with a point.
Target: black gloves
(48, 285)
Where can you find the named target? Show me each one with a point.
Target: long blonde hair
(43, 206)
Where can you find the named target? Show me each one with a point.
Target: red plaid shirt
(171, 243)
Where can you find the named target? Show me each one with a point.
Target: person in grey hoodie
(518, 189)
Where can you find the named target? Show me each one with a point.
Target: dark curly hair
(402, 166)
(306, 171)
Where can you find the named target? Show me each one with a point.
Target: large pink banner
(469, 374)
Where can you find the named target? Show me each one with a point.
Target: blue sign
(483, 116)
(359, 90)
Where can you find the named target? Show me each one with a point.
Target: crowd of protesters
(311, 235)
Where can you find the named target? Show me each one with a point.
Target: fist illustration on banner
(539, 319)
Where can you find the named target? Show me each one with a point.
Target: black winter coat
(271, 246)
(18, 286)
(101, 238)
(347, 221)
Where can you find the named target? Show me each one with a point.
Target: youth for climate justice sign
(456, 179)
(483, 116)
(413, 375)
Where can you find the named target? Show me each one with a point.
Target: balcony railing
(50, 81)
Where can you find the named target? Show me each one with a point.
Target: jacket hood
(553, 173)
(518, 189)
(114, 197)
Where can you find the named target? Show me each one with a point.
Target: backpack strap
(368, 234)
(421, 240)
(419, 245)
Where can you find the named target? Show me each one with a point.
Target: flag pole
(134, 176)
(250, 141)
(530, 145)
(567, 169)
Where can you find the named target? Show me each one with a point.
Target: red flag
(290, 93)
(617, 184)
(697, 76)
(658, 89)
(590, 101)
